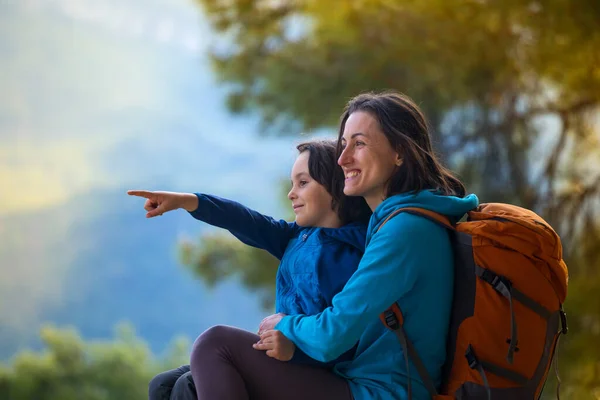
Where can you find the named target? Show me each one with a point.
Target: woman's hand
(158, 203)
(268, 323)
(276, 345)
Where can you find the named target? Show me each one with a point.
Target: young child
(318, 252)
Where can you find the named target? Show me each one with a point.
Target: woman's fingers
(269, 333)
(275, 345)
(267, 341)
(264, 345)
(270, 348)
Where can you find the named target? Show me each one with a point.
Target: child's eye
(302, 183)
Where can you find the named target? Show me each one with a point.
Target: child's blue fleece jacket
(315, 263)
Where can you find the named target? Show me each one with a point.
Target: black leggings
(225, 366)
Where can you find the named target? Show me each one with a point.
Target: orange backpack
(509, 285)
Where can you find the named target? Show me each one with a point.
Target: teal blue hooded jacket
(408, 261)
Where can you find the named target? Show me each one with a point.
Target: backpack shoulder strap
(393, 319)
(430, 215)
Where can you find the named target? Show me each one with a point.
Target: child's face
(310, 200)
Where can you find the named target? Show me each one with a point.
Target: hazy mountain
(95, 99)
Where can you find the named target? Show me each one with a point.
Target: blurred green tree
(71, 369)
(511, 88)
(217, 256)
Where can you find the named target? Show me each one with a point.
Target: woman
(318, 253)
(386, 154)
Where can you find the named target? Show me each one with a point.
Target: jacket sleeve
(249, 226)
(389, 270)
(301, 357)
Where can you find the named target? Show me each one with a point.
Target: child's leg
(161, 385)
(184, 388)
(226, 367)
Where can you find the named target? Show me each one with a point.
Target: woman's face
(310, 200)
(368, 159)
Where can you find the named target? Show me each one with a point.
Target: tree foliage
(71, 369)
(217, 257)
(511, 87)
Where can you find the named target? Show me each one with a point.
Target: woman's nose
(344, 157)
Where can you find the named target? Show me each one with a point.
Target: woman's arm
(336, 265)
(393, 262)
(301, 357)
(249, 226)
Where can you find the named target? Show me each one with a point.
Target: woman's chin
(351, 190)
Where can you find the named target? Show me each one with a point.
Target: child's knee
(161, 385)
(184, 385)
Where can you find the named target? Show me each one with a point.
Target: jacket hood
(451, 206)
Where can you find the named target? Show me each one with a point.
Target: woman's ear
(398, 160)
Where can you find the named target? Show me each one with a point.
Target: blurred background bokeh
(97, 97)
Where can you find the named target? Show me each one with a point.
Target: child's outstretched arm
(249, 226)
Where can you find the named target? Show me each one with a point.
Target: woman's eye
(359, 143)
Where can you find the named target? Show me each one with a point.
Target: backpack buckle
(488, 276)
(391, 320)
(471, 359)
(498, 282)
(501, 284)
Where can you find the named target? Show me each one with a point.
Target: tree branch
(574, 108)
(549, 172)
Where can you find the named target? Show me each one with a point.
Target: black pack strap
(475, 364)
(409, 351)
(504, 287)
(402, 338)
(423, 373)
(554, 360)
(563, 321)
(521, 297)
(497, 370)
(504, 373)
(530, 303)
(563, 330)
(395, 324)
